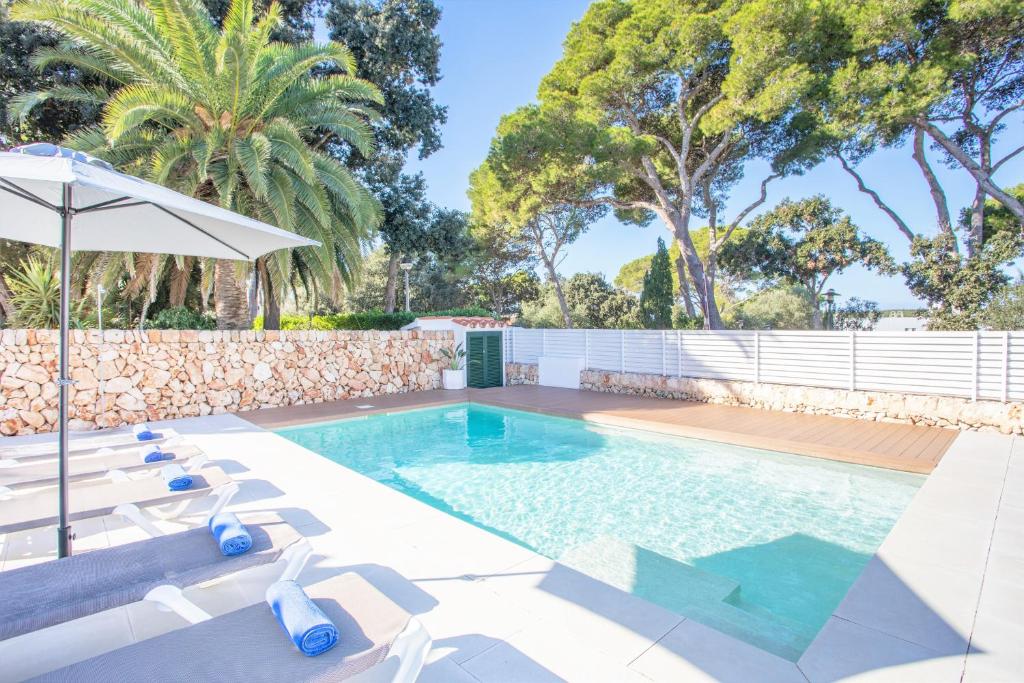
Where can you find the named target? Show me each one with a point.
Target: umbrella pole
(64, 535)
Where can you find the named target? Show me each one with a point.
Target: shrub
(181, 318)
(35, 294)
(364, 320)
(682, 321)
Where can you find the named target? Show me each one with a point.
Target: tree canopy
(228, 116)
(533, 201)
(803, 242)
(53, 120)
(643, 115)
(395, 47)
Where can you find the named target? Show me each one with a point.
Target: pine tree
(656, 297)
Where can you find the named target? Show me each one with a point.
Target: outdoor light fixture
(830, 308)
(406, 266)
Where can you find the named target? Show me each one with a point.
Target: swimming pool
(758, 544)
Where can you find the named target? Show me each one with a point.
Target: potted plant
(454, 376)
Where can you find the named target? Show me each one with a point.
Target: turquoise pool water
(758, 544)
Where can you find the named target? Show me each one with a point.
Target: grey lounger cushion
(249, 645)
(53, 592)
(96, 499)
(37, 472)
(83, 444)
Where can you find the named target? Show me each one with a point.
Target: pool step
(710, 599)
(648, 574)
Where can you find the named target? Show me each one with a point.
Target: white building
(901, 323)
(483, 341)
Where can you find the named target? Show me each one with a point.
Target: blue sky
(495, 54)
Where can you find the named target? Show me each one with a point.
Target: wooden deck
(893, 446)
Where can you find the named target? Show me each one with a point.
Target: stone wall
(943, 411)
(520, 373)
(124, 377)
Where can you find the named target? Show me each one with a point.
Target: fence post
(853, 360)
(543, 340)
(512, 341)
(664, 368)
(1006, 367)
(586, 349)
(622, 352)
(679, 352)
(757, 357)
(976, 361)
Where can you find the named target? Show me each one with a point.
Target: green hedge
(366, 320)
(181, 318)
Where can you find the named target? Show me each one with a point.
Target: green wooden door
(483, 359)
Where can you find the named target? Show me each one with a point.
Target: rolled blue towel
(142, 432)
(304, 622)
(152, 453)
(230, 534)
(176, 477)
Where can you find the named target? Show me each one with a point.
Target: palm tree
(226, 116)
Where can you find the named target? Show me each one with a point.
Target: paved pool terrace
(941, 600)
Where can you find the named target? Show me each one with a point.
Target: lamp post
(830, 308)
(406, 266)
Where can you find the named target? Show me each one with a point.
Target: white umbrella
(62, 198)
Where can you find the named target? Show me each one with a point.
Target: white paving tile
(694, 652)
(997, 645)
(445, 671)
(920, 603)
(955, 495)
(849, 652)
(943, 540)
(620, 625)
(544, 654)
(463, 617)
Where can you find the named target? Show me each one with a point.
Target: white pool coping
(949, 574)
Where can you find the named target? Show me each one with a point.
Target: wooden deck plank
(894, 446)
(920, 445)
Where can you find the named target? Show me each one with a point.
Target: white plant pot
(453, 379)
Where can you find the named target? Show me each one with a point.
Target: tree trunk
(684, 286)
(562, 305)
(981, 176)
(230, 297)
(180, 278)
(6, 307)
(901, 225)
(271, 306)
(976, 234)
(389, 290)
(938, 196)
(817, 322)
(977, 229)
(252, 292)
(703, 285)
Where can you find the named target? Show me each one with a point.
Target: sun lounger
(84, 445)
(42, 595)
(34, 509)
(249, 645)
(36, 472)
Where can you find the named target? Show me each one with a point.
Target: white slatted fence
(977, 365)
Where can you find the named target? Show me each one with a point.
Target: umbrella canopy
(117, 212)
(59, 197)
